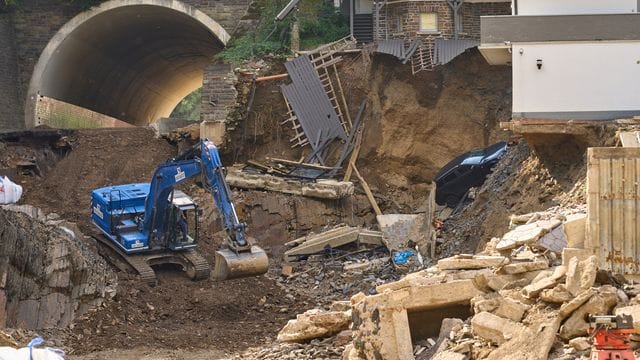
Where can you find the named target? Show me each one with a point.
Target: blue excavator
(149, 224)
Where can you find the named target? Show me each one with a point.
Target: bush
(319, 22)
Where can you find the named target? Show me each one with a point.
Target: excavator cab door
(183, 222)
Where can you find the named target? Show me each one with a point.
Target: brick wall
(11, 116)
(218, 92)
(58, 114)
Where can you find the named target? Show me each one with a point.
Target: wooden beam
(367, 190)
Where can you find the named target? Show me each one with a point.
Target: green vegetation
(319, 22)
(189, 107)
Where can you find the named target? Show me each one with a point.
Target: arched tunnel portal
(130, 59)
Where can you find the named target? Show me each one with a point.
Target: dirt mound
(100, 157)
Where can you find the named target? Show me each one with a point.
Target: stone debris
(396, 230)
(318, 243)
(464, 262)
(322, 188)
(314, 324)
(493, 328)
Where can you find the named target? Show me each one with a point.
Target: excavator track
(196, 266)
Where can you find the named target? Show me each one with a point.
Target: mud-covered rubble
(50, 272)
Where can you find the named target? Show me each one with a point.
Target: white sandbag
(31, 352)
(10, 192)
(9, 353)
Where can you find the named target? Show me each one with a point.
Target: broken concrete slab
(581, 275)
(493, 328)
(554, 240)
(575, 228)
(316, 243)
(314, 324)
(634, 311)
(370, 237)
(527, 266)
(466, 262)
(600, 303)
(569, 307)
(559, 294)
(501, 306)
(533, 343)
(449, 355)
(528, 234)
(534, 289)
(396, 230)
(568, 253)
(499, 282)
(323, 189)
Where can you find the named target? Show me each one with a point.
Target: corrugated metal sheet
(613, 200)
(447, 49)
(310, 103)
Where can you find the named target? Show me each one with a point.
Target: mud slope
(419, 122)
(100, 157)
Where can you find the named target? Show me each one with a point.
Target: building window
(398, 24)
(428, 22)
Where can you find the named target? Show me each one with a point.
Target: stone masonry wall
(10, 114)
(219, 98)
(408, 14)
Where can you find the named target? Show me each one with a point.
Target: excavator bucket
(231, 265)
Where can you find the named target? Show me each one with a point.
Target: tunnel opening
(94, 61)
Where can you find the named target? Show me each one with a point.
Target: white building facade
(571, 59)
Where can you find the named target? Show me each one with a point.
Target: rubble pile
(526, 296)
(51, 274)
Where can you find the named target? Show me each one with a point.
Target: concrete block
(634, 311)
(554, 240)
(533, 343)
(396, 229)
(575, 228)
(449, 355)
(493, 328)
(580, 343)
(569, 307)
(314, 324)
(499, 282)
(502, 306)
(370, 237)
(568, 253)
(460, 262)
(522, 267)
(581, 275)
(599, 304)
(214, 131)
(534, 289)
(558, 294)
(528, 234)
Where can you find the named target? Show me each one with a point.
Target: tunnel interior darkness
(134, 62)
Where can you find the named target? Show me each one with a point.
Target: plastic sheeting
(10, 192)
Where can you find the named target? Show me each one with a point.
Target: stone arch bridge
(132, 60)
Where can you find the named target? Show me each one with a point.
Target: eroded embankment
(50, 274)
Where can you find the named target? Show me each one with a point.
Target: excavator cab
(183, 222)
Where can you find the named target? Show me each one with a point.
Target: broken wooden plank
(367, 190)
(319, 242)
